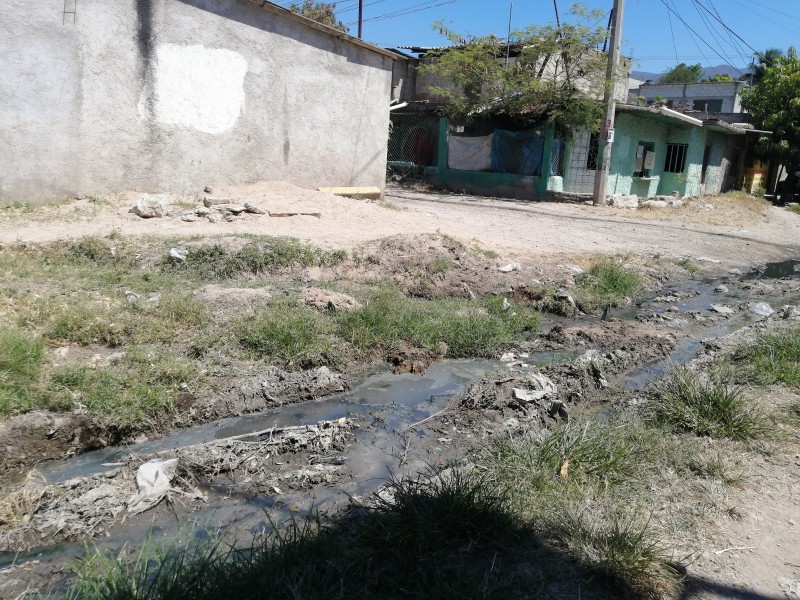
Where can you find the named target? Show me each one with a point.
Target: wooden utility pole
(360, 17)
(607, 126)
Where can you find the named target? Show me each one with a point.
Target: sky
(656, 38)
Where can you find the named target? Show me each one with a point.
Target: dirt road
(715, 229)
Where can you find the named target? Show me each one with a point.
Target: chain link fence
(413, 141)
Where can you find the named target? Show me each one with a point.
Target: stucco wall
(172, 95)
(686, 93)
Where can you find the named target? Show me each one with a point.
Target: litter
(178, 254)
(153, 478)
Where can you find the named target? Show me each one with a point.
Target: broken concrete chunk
(654, 204)
(252, 209)
(210, 201)
(625, 201)
(149, 206)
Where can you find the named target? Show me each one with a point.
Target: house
(720, 100)
(658, 150)
(101, 96)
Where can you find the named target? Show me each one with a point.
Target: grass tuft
(687, 402)
(20, 362)
(607, 284)
(773, 358)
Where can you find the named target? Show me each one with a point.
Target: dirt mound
(37, 436)
(438, 266)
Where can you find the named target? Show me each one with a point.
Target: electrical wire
(407, 11)
(672, 32)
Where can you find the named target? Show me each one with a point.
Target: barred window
(594, 151)
(676, 158)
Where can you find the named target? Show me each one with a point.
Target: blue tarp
(517, 152)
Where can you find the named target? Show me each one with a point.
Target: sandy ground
(510, 227)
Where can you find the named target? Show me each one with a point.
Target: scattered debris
(178, 254)
(625, 201)
(153, 479)
(761, 308)
(295, 214)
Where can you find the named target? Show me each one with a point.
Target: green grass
(20, 362)
(256, 258)
(773, 358)
(452, 536)
(133, 394)
(300, 335)
(686, 401)
(607, 284)
(688, 265)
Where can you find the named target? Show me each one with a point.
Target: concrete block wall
(173, 95)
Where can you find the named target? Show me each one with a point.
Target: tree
(682, 73)
(774, 105)
(321, 12)
(546, 74)
(763, 60)
(720, 77)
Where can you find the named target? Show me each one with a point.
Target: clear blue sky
(648, 37)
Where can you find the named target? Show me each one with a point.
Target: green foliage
(773, 358)
(719, 77)
(20, 362)
(762, 61)
(321, 12)
(686, 401)
(133, 393)
(556, 74)
(214, 262)
(773, 106)
(681, 73)
(607, 284)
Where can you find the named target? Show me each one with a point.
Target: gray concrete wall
(173, 95)
(685, 94)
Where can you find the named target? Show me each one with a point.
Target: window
(676, 158)
(708, 105)
(645, 159)
(594, 151)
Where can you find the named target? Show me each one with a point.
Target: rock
(210, 201)
(653, 204)
(735, 272)
(324, 299)
(790, 312)
(190, 218)
(722, 309)
(625, 201)
(558, 410)
(721, 289)
(202, 211)
(235, 209)
(132, 297)
(673, 309)
(675, 202)
(150, 206)
(508, 357)
(252, 209)
(707, 206)
(514, 266)
(214, 217)
(708, 260)
(761, 308)
(413, 360)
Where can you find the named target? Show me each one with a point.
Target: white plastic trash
(761, 308)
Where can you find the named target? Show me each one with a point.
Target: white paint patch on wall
(199, 87)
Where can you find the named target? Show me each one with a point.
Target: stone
(190, 218)
(790, 312)
(252, 209)
(653, 204)
(214, 217)
(514, 266)
(210, 201)
(327, 299)
(721, 289)
(149, 206)
(236, 209)
(625, 201)
(675, 202)
(735, 272)
(722, 309)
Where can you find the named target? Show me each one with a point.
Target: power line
(674, 46)
(721, 22)
(409, 10)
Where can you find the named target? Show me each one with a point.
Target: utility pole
(360, 17)
(607, 126)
